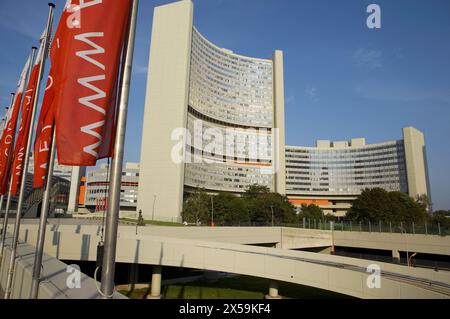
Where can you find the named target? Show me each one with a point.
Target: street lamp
(212, 211)
(153, 211)
(271, 208)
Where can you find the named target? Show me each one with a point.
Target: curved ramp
(339, 274)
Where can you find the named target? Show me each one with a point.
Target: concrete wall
(284, 237)
(426, 244)
(235, 235)
(334, 273)
(416, 165)
(54, 277)
(77, 173)
(279, 124)
(296, 238)
(161, 180)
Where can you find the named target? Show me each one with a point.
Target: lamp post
(153, 211)
(271, 208)
(212, 211)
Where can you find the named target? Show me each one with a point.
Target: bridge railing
(378, 227)
(370, 227)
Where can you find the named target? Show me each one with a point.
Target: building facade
(213, 119)
(332, 174)
(61, 171)
(97, 187)
(65, 179)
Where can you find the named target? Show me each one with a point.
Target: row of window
(231, 90)
(398, 145)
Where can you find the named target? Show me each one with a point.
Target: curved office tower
(332, 174)
(213, 119)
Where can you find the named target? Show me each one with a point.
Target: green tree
(311, 212)
(261, 203)
(255, 205)
(369, 206)
(230, 210)
(424, 201)
(442, 213)
(255, 191)
(197, 207)
(441, 217)
(406, 209)
(378, 204)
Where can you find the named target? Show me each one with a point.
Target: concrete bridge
(281, 237)
(231, 250)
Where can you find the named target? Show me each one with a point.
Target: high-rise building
(221, 113)
(214, 120)
(332, 174)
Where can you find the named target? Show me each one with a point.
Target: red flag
(89, 47)
(9, 133)
(44, 132)
(45, 125)
(22, 138)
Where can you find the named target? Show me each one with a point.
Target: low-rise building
(97, 187)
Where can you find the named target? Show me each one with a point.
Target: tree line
(259, 206)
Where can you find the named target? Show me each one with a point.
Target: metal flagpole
(5, 120)
(43, 222)
(27, 153)
(112, 218)
(8, 201)
(5, 222)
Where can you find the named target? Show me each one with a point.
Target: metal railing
(59, 188)
(369, 227)
(379, 227)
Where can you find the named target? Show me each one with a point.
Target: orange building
(82, 193)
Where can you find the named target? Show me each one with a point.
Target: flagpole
(5, 222)
(10, 158)
(27, 154)
(3, 131)
(112, 218)
(43, 222)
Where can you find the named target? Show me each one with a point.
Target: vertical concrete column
(77, 173)
(273, 290)
(396, 256)
(133, 276)
(416, 162)
(279, 138)
(332, 249)
(156, 283)
(166, 107)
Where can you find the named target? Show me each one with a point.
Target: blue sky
(342, 80)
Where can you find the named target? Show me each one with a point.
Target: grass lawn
(153, 222)
(242, 287)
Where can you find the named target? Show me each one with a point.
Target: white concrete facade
(333, 174)
(416, 162)
(161, 180)
(192, 84)
(97, 187)
(77, 173)
(279, 121)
